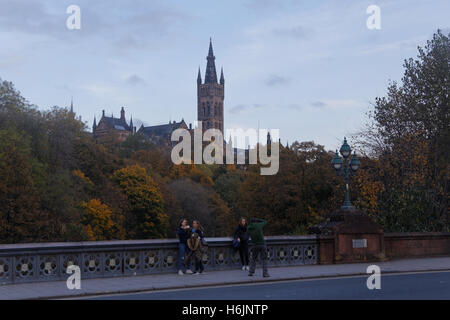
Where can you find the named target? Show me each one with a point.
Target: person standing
(241, 235)
(258, 245)
(183, 234)
(195, 252)
(198, 229)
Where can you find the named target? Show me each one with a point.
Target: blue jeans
(182, 251)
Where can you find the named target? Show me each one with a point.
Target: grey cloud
(295, 106)
(318, 104)
(270, 4)
(242, 107)
(99, 18)
(274, 80)
(134, 80)
(297, 32)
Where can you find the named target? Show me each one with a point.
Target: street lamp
(346, 168)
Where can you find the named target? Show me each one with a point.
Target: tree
(97, 220)
(20, 217)
(408, 135)
(147, 219)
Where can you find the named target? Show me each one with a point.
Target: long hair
(240, 222)
(199, 225)
(180, 222)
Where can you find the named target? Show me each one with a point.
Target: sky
(311, 69)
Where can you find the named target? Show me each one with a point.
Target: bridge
(40, 269)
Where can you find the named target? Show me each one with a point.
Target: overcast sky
(309, 68)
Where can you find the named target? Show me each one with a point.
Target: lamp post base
(350, 235)
(347, 207)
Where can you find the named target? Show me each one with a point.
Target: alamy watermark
(74, 280)
(267, 155)
(374, 20)
(374, 280)
(73, 22)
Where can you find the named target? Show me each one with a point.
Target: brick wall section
(326, 249)
(399, 245)
(396, 245)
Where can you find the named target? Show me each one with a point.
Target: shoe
(250, 274)
(195, 273)
(266, 275)
(189, 271)
(247, 268)
(203, 272)
(244, 268)
(180, 273)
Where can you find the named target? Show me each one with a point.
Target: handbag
(236, 243)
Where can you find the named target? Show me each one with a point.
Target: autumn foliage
(57, 183)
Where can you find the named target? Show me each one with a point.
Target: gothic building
(210, 95)
(210, 98)
(110, 126)
(162, 134)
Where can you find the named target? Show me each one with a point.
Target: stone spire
(222, 78)
(199, 77)
(131, 124)
(211, 74)
(94, 126)
(122, 113)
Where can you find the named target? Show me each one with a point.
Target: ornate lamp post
(346, 168)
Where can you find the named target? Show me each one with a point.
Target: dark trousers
(199, 265)
(258, 251)
(196, 257)
(183, 250)
(243, 252)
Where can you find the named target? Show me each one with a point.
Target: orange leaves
(97, 221)
(145, 201)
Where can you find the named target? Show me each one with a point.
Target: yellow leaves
(192, 171)
(369, 190)
(144, 200)
(97, 221)
(82, 177)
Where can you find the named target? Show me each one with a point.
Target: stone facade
(161, 134)
(211, 95)
(113, 127)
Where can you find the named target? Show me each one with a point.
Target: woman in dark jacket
(183, 234)
(241, 234)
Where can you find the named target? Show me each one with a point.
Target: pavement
(134, 284)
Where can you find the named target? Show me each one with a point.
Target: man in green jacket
(258, 245)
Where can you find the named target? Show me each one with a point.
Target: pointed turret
(222, 78)
(211, 74)
(122, 113)
(199, 77)
(71, 105)
(94, 126)
(131, 124)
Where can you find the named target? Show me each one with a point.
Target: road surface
(429, 285)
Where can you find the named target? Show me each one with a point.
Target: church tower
(210, 95)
